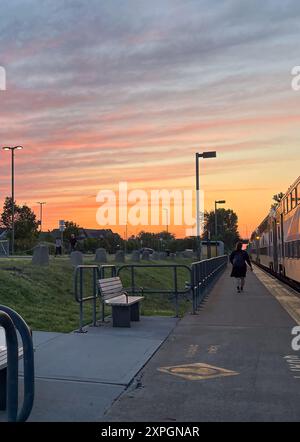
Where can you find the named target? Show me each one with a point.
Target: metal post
(216, 228)
(41, 218)
(81, 301)
(95, 297)
(13, 201)
(198, 207)
(132, 280)
(41, 215)
(194, 289)
(176, 291)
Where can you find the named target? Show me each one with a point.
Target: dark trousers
(58, 251)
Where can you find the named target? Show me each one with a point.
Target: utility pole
(41, 214)
(203, 155)
(216, 222)
(12, 149)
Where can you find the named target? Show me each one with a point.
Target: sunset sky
(128, 90)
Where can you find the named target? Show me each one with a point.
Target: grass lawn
(44, 296)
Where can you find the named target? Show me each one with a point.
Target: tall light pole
(216, 222)
(203, 155)
(41, 215)
(12, 149)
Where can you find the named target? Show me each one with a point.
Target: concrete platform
(79, 376)
(249, 336)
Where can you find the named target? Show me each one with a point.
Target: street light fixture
(216, 222)
(41, 214)
(204, 155)
(12, 149)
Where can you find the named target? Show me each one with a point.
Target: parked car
(146, 249)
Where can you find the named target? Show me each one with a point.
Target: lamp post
(41, 214)
(216, 222)
(203, 155)
(12, 149)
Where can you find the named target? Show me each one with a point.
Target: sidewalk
(248, 336)
(79, 376)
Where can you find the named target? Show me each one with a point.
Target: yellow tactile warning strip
(197, 372)
(285, 295)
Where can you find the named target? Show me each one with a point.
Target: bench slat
(122, 300)
(109, 284)
(113, 295)
(111, 288)
(112, 292)
(3, 357)
(110, 281)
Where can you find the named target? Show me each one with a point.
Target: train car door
(275, 245)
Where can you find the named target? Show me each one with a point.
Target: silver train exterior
(276, 242)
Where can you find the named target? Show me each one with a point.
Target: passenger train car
(275, 244)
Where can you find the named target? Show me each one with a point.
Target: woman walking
(239, 260)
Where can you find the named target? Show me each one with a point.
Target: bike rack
(12, 321)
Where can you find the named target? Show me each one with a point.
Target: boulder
(146, 255)
(135, 256)
(120, 256)
(155, 256)
(101, 255)
(40, 256)
(76, 259)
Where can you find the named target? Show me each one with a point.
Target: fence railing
(200, 274)
(80, 289)
(11, 321)
(204, 274)
(175, 291)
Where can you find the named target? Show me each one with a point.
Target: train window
(298, 194)
(294, 199)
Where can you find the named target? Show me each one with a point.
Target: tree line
(27, 233)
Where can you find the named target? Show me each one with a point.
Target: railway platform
(233, 361)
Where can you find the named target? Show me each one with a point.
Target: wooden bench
(3, 368)
(125, 308)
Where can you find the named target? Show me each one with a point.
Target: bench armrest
(126, 294)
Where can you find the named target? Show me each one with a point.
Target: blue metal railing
(9, 376)
(12, 321)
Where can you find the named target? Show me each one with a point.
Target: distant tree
(71, 229)
(114, 242)
(277, 200)
(25, 223)
(227, 227)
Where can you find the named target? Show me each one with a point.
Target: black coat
(239, 271)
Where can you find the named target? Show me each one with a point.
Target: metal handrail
(78, 292)
(203, 275)
(12, 367)
(28, 359)
(174, 291)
